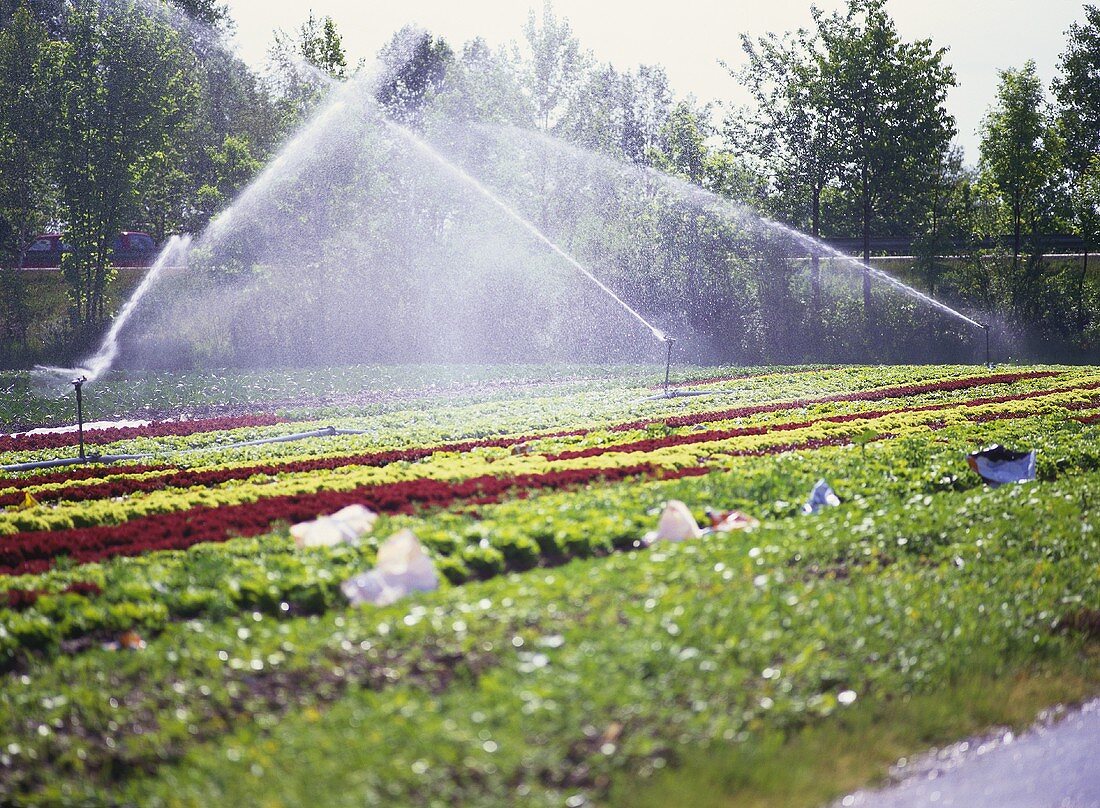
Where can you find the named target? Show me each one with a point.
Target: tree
(24, 141)
(124, 84)
(683, 151)
(301, 66)
(209, 12)
(646, 103)
(25, 191)
(48, 13)
(322, 46)
(416, 67)
(234, 165)
(849, 112)
(1085, 201)
(483, 84)
(892, 118)
(1075, 90)
(1019, 158)
(556, 69)
(791, 134)
(939, 223)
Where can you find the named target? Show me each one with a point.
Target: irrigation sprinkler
(78, 383)
(668, 360)
(988, 361)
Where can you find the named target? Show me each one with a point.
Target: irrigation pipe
(326, 432)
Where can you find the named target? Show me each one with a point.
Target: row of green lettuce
(544, 686)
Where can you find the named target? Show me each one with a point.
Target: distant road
(1065, 245)
(58, 269)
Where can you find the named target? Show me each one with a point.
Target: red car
(133, 249)
(130, 249)
(46, 251)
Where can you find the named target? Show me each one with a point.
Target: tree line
(120, 113)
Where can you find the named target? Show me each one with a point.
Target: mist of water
(727, 207)
(172, 254)
(420, 144)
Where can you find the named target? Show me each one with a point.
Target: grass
(820, 763)
(47, 312)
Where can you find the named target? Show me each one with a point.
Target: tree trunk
(1016, 227)
(1081, 293)
(868, 313)
(815, 258)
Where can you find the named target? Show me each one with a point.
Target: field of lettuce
(164, 640)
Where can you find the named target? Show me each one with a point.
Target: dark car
(45, 251)
(129, 249)
(133, 249)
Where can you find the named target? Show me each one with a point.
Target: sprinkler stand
(77, 385)
(668, 362)
(988, 362)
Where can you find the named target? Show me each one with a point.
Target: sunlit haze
(688, 37)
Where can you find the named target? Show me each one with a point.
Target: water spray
(423, 146)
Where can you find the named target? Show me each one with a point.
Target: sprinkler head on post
(668, 359)
(988, 361)
(78, 383)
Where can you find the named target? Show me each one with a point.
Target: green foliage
(25, 149)
(316, 46)
(892, 119)
(417, 66)
(556, 67)
(1074, 88)
(790, 131)
(25, 190)
(1013, 156)
(123, 85)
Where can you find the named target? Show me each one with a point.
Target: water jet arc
(469, 180)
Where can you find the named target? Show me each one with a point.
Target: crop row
(597, 405)
(186, 478)
(122, 485)
(270, 575)
(101, 437)
(674, 451)
(707, 436)
(21, 599)
(898, 391)
(35, 551)
(73, 475)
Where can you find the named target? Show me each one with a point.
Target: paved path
(1054, 766)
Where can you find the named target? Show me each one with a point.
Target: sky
(689, 37)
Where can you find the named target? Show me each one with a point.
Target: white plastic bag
(822, 496)
(676, 524)
(346, 525)
(997, 465)
(402, 567)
